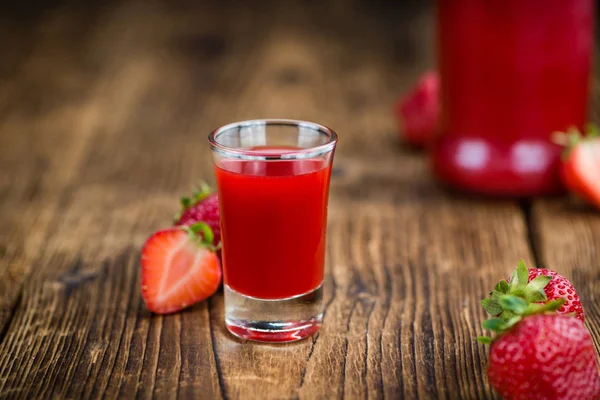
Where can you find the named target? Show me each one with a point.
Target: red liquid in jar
(273, 219)
(512, 72)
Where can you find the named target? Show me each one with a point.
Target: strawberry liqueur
(274, 216)
(273, 183)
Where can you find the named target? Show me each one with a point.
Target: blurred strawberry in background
(580, 169)
(418, 111)
(202, 206)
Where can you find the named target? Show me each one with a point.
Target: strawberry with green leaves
(580, 169)
(537, 353)
(534, 285)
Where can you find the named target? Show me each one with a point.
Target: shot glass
(273, 181)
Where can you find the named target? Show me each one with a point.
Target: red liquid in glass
(273, 219)
(512, 72)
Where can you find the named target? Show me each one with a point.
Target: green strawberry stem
(521, 293)
(499, 325)
(511, 301)
(207, 232)
(203, 234)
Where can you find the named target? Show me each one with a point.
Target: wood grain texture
(104, 111)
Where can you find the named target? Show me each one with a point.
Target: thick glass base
(272, 321)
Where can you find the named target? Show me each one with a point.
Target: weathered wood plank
(43, 134)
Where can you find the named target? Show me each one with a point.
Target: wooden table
(104, 113)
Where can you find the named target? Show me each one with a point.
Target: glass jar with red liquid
(512, 72)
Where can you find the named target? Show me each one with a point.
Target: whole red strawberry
(560, 287)
(545, 357)
(534, 286)
(203, 206)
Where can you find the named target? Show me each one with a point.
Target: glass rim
(248, 154)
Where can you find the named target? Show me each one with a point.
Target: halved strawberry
(179, 268)
(580, 170)
(418, 111)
